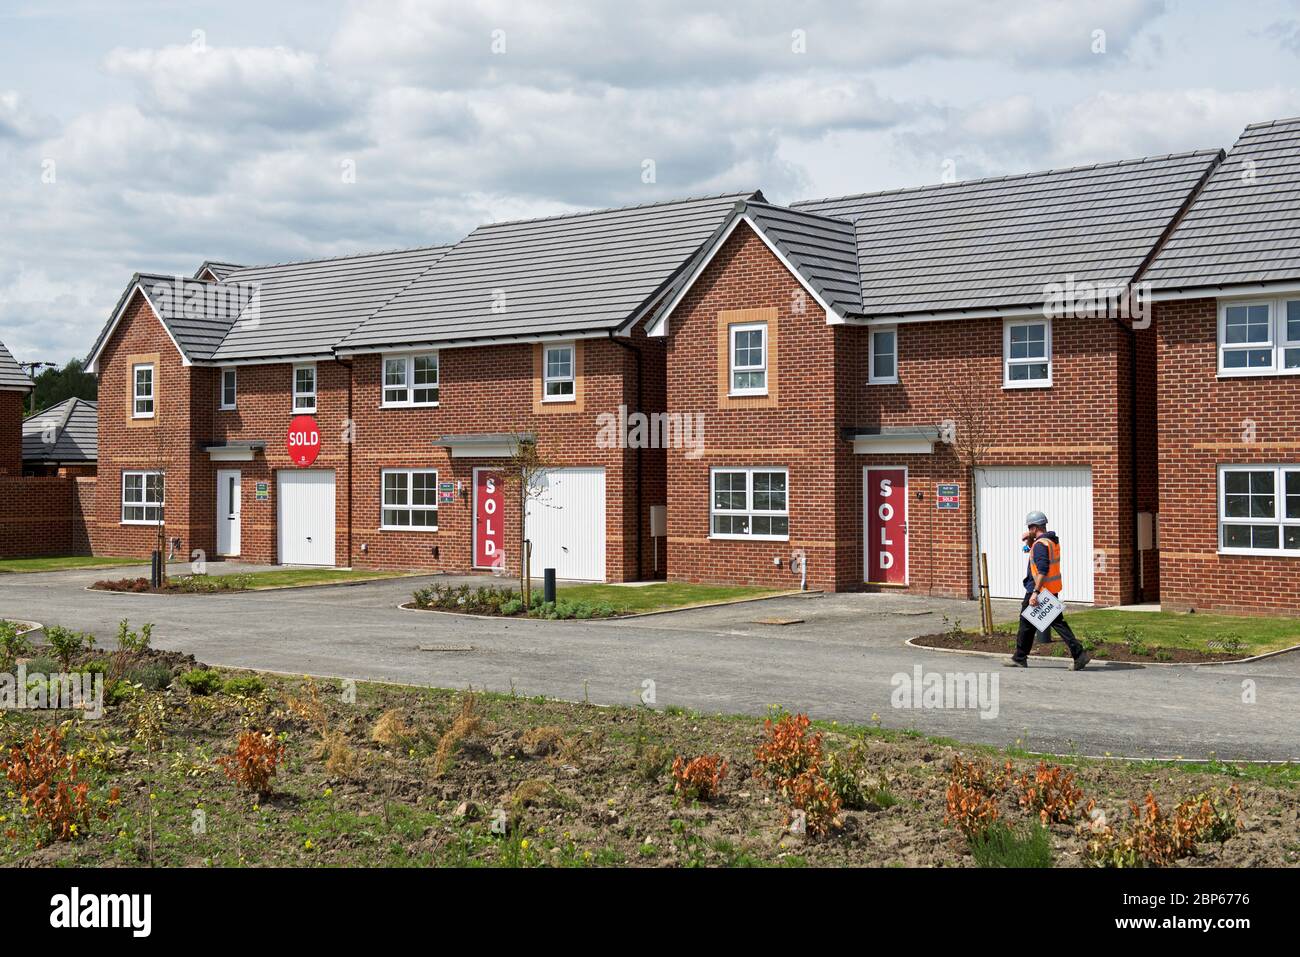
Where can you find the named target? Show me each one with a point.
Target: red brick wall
(127, 444)
(39, 516)
(822, 386)
(1206, 422)
(11, 432)
(488, 389)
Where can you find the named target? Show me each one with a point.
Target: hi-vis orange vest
(1052, 580)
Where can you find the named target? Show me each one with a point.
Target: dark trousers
(1025, 636)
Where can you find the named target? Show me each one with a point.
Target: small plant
(787, 751)
(1154, 838)
(1000, 846)
(255, 760)
(154, 677)
(201, 681)
(465, 723)
(55, 802)
(391, 730)
(131, 645)
(147, 718)
(243, 686)
(1230, 643)
(13, 645)
(67, 644)
(698, 779)
(972, 795)
(1051, 792)
(1136, 646)
(654, 761)
(810, 793)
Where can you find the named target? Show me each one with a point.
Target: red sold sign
(489, 527)
(303, 440)
(886, 545)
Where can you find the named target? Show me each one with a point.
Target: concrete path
(838, 663)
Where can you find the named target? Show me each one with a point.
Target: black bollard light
(548, 585)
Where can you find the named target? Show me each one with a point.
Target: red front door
(885, 526)
(489, 526)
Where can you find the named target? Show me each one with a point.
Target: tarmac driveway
(842, 660)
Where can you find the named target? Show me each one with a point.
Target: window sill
(226, 408)
(748, 394)
(558, 400)
(749, 538)
(132, 521)
(1255, 373)
(311, 411)
(1260, 552)
(893, 381)
(407, 528)
(408, 405)
(1027, 385)
(138, 416)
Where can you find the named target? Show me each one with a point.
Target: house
(1226, 286)
(62, 440)
(842, 351)
(15, 384)
(413, 375)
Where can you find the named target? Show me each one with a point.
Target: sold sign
(303, 440)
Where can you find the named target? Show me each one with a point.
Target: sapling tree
(525, 478)
(969, 428)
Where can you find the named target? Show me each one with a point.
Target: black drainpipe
(636, 351)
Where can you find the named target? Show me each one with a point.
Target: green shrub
(67, 644)
(12, 645)
(118, 691)
(201, 681)
(999, 846)
(153, 677)
(512, 607)
(245, 685)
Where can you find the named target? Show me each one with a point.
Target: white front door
(306, 516)
(566, 524)
(228, 510)
(1006, 495)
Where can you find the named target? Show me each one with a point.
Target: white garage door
(306, 517)
(1006, 495)
(566, 524)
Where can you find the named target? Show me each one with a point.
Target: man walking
(1043, 573)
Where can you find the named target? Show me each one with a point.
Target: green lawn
(24, 565)
(1167, 629)
(287, 577)
(659, 596)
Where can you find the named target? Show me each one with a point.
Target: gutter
(640, 477)
(351, 516)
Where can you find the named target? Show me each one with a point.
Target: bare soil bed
(391, 775)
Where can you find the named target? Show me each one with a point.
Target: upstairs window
(411, 380)
(558, 373)
(304, 388)
(1259, 337)
(142, 384)
(749, 359)
(883, 358)
(1027, 354)
(1259, 509)
(228, 377)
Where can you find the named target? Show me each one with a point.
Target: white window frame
(1008, 362)
(408, 387)
(1279, 520)
(304, 409)
(137, 396)
(234, 388)
(571, 378)
(872, 378)
(749, 510)
(409, 506)
(143, 502)
(734, 368)
(1277, 343)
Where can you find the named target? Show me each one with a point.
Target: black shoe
(1082, 661)
(1015, 663)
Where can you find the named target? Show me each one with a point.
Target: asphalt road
(839, 662)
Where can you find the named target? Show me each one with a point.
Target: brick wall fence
(11, 431)
(42, 516)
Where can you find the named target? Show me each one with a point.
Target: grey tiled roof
(75, 433)
(12, 375)
(219, 269)
(996, 243)
(306, 308)
(581, 272)
(822, 248)
(1241, 228)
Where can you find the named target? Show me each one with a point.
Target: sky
(151, 136)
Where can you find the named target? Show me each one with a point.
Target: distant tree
(54, 385)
